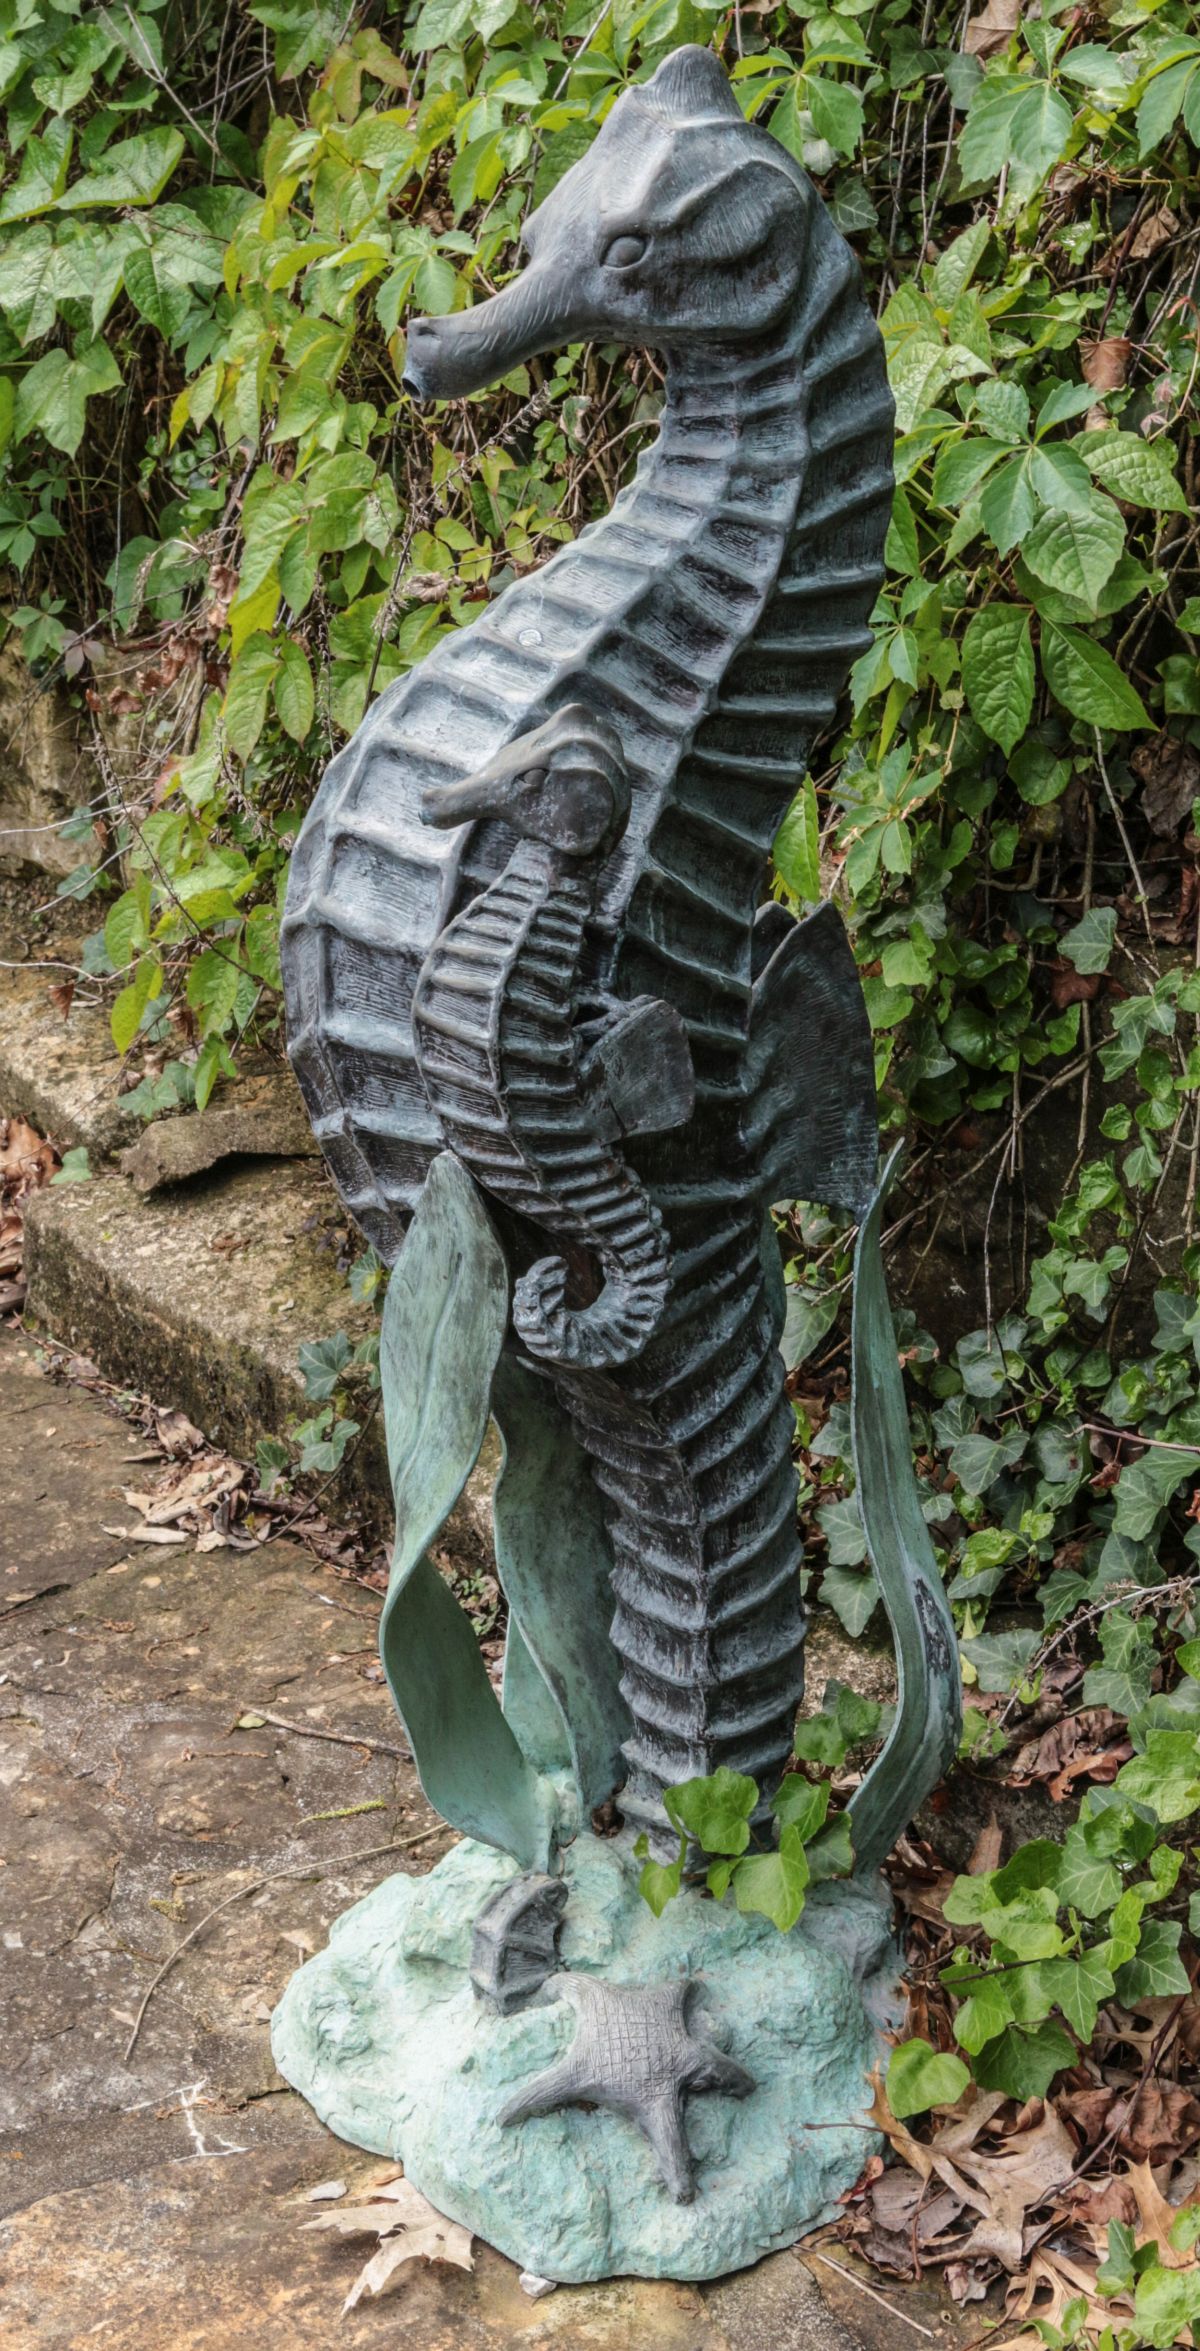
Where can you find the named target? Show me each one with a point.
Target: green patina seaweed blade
(553, 1553)
(443, 1327)
(928, 1722)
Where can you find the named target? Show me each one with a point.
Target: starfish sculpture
(634, 2050)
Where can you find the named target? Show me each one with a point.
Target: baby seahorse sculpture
(534, 993)
(500, 1050)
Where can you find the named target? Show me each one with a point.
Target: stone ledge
(202, 1299)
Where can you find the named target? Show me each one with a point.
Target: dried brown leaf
(1106, 362)
(1156, 2217)
(1169, 773)
(1154, 233)
(992, 29)
(988, 1847)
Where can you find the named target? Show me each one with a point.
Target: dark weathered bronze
(635, 2050)
(538, 1007)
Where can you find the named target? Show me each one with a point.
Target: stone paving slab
(155, 2203)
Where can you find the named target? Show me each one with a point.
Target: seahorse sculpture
(501, 1053)
(549, 998)
(535, 997)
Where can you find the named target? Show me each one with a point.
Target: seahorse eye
(624, 251)
(533, 778)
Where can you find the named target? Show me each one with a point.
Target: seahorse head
(682, 223)
(564, 783)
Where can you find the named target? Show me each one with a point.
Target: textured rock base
(385, 2037)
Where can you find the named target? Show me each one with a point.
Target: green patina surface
(384, 2035)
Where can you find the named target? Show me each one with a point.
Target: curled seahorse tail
(618, 1323)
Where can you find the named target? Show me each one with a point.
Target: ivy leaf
(1140, 472)
(133, 171)
(919, 2077)
(1166, 2301)
(1144, 1488)
(985, 2012)
(1079, 1987)
(978, 1460)
(1007, 505)
(55, 391)
(42, 176)
(774, 1883)
(1087, 681)
(1001, 1660)
(837, 112)
(1087, 1881)
(801, 1804)
(1089, 942)
(1166, 1779)
(1023, 2063)
(831, 1853)
(246, 694)
(1041, 125)
(1076, 553)
(293, 689)
(796, 850)
(716, 1811)
(1156, 1972)
(998, 672)
(659, 1881)
(852, 1597)
(842, 1526)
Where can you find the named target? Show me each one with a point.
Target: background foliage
(223, 521)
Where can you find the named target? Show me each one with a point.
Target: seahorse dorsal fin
(641, 1065)
(810, 1120)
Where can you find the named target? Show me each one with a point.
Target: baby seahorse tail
(634, 1258)
(691, 1451)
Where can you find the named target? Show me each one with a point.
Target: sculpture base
(385, 2037)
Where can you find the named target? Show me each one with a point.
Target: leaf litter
(407, 2226)
(27, 1162)
(1077, 2212)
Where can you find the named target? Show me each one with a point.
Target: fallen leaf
(1106, 362)
(1156, 2217)
(1154, 233)
(988, 1847)
(1068, 986)
(409, 2228)
(1169, 773)
(992, 29)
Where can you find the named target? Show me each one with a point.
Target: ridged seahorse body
(710, 620)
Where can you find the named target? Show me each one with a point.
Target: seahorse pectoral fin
(639, 1072)
(928, 1722)
(444, 1321)
(554, 1560)
(809, 1122)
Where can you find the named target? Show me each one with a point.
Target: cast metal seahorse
(501, 1050)
(709, 621)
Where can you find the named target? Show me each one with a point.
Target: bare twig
(1126, 843)
(309, 1730)
(891, 2307)
(302, 1869)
